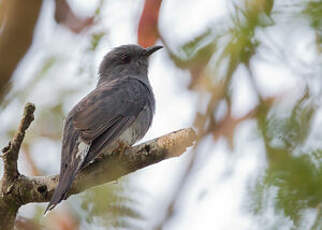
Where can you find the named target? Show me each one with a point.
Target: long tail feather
(62, 189)
(66, 180)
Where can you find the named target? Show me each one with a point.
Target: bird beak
(152, 49)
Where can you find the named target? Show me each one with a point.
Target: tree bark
(17, 190)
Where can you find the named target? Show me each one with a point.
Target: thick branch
(18, 190)
(41, 188)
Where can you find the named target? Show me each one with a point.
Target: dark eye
(125, 59)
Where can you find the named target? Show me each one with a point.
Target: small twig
(11, 152)
(9, 188)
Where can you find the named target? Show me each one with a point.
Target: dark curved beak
(150, 50)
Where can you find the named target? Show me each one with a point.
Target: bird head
(126, 60)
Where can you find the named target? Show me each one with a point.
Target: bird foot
(122, 148)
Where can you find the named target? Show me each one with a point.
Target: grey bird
(118, 111)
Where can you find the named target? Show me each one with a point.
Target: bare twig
(9, 204)
(10, 152)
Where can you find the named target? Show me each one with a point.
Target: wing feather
(96, 121)
(102, 107)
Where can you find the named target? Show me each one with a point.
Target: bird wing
(104, 114)
(105, 105)
(96, 121)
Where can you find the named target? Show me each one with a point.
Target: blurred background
(246, 74)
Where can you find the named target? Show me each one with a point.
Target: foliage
(106, 206)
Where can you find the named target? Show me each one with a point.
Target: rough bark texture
(17, 190)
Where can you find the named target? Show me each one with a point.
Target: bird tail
(62, 189)
(67, 177)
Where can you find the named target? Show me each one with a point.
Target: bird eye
(125, 59)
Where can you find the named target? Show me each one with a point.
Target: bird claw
(122, 148)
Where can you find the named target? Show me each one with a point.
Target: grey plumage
(119, 110)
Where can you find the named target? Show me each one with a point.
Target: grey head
(126, 60)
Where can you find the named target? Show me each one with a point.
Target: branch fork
(17, 190)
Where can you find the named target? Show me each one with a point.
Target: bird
(118, 111)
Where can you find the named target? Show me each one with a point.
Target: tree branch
(9, 205)
(17, 189)
(10, 153)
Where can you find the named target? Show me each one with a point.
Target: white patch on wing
(82, 150)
